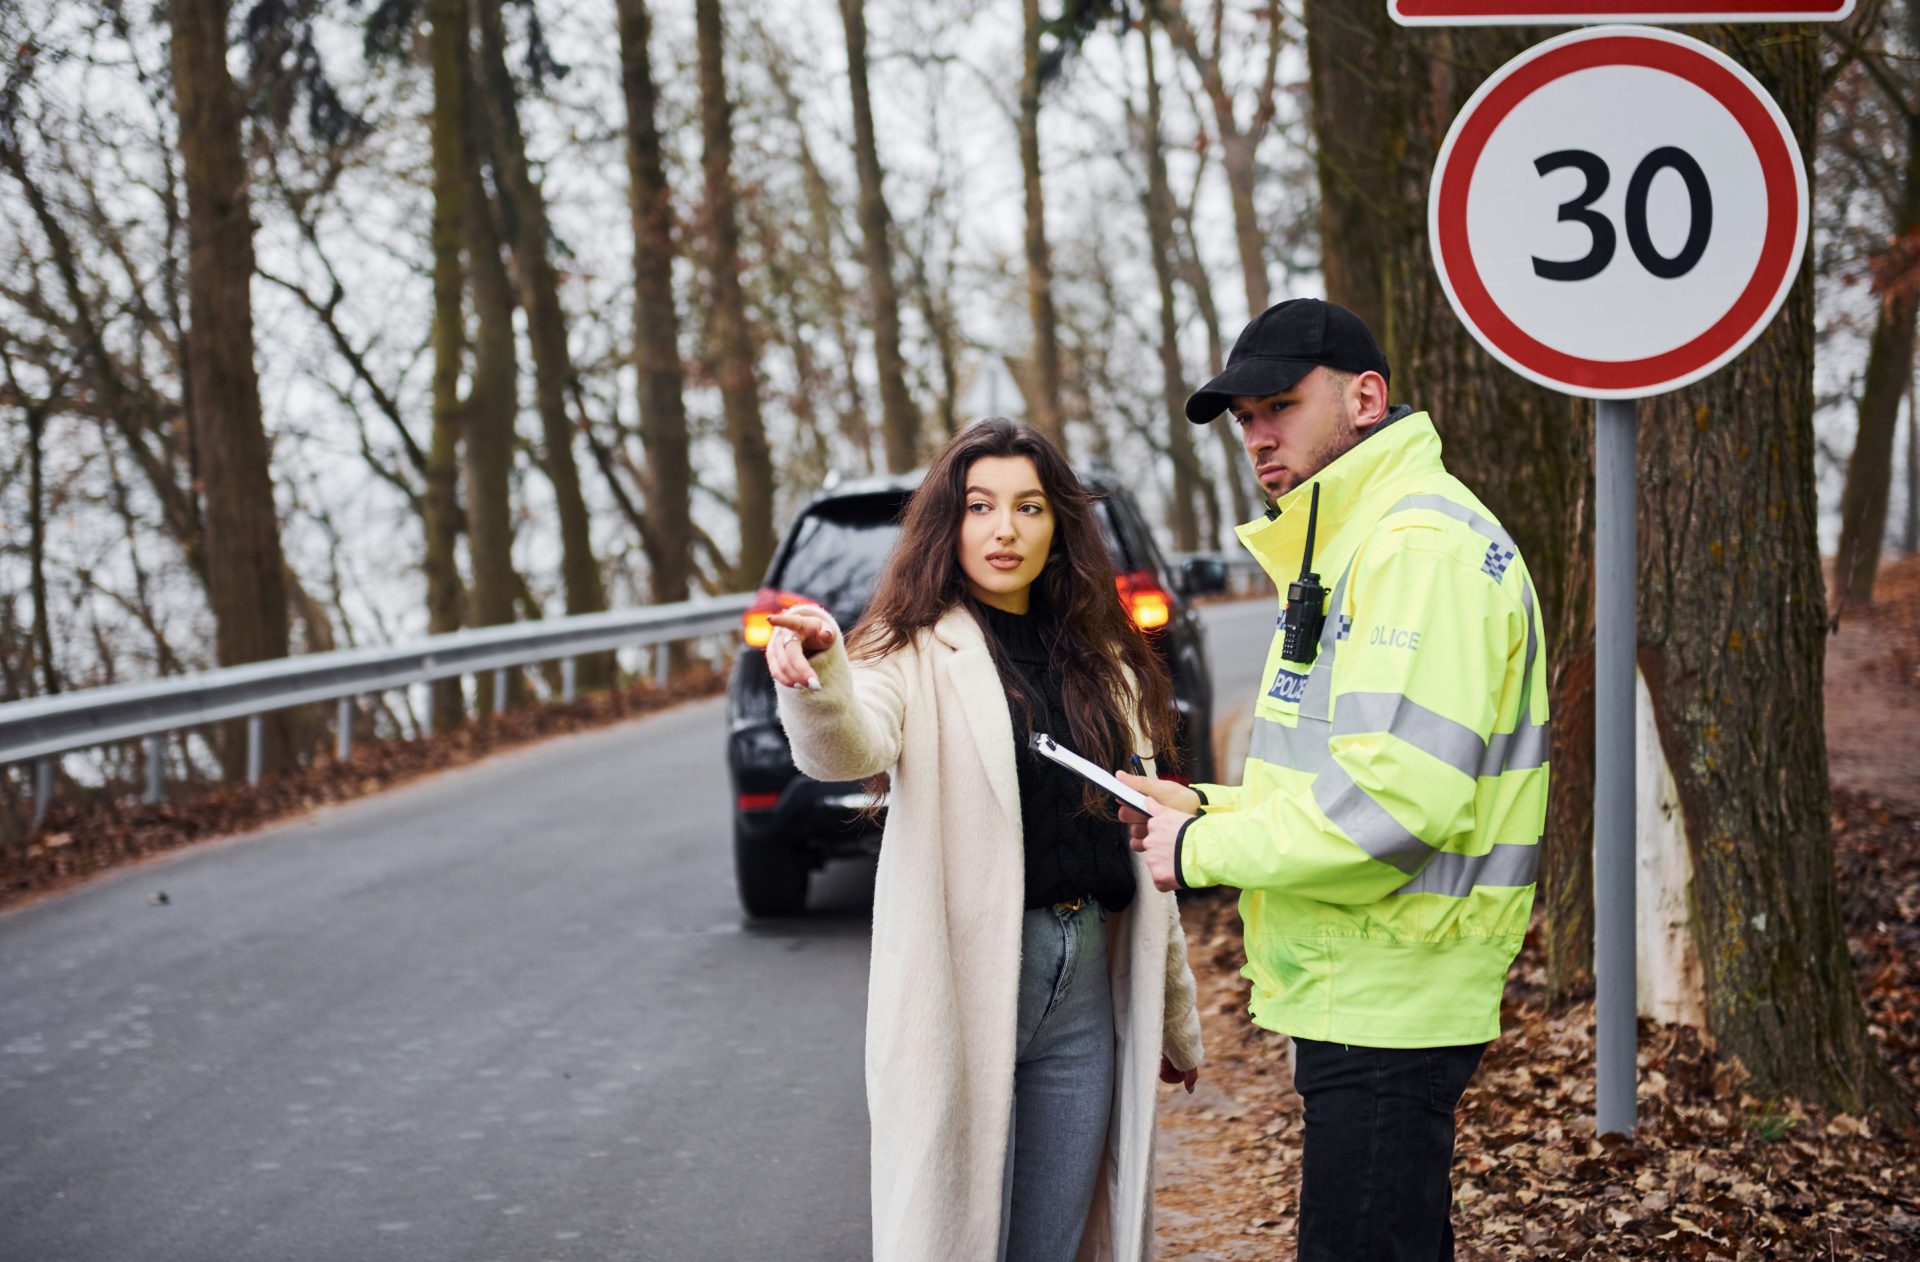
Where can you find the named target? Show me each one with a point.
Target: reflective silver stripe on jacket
(1367, 823)
(1455, 875)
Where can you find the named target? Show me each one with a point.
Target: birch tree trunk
(245, 581)
(732, 340)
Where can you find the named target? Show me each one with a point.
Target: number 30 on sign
(1618, 212)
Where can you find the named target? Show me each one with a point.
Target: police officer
(1386, 832)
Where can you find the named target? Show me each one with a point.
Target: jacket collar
(982, 699)
(1355, 490)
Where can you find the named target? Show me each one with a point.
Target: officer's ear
(1366, 399)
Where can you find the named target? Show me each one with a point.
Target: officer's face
(1292, 435)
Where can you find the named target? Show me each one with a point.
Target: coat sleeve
(1180, 1036)
(851, 728)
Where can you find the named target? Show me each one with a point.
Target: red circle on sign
(1656, 372)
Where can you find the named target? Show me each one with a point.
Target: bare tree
(446, 597)
(899, 419)
(1896, 280)
(1189, 479)
(668, 513)
(246, 582)
(1044, 386)
(492, 405)
(732, 339)
(525, 213)
(1239, 142)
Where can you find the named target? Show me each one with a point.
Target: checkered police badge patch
(1497, 561)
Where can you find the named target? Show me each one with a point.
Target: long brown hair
(1091, 641)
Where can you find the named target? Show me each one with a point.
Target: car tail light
(1148, 603)
(754, 627)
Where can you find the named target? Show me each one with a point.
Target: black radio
(1306, 600)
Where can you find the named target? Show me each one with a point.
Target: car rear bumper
(773, 799)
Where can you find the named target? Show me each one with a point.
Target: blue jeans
(1062, 1084)
(1376, 1184)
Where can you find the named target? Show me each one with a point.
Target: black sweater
(1070, 853)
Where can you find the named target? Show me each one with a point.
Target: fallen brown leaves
(81, 840)
(1712, 1173)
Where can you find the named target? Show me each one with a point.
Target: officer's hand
(1155, 839)
(1168, 793)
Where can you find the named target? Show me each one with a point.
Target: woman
(1026, 976)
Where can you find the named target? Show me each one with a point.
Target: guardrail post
(661, 658)
(156, 770)
(570, 679)
(42, 791)
(343, 738)
(255, 733)
(426, 715)
(500, 690)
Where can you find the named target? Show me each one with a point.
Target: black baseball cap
(1283, 344)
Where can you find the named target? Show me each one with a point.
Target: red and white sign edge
(1513, 347)
(1585, 12)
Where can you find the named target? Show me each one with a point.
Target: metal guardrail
(35, 730)
(45, 726)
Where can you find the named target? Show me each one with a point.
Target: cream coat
(943, 989)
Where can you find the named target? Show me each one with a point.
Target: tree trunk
(824, 222)
(1233, 457)
(42, 633)
(1863, 503)
(446, 598)
(1910, 535)
(492, 406)
(1732, 641)
(899, 419)
(1044, 387)
(732, 340)
(1189, 479)
(1383, 98)
(539, 293)
(656, 322)
(244, 563)
(1238, 147)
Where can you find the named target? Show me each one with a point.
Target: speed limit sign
(1618, 212)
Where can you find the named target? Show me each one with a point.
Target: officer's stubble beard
(1343, 439)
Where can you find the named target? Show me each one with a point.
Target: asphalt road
(511, 1012)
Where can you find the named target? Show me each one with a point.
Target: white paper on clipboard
(1047, 747)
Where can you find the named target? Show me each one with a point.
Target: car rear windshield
(838, 549)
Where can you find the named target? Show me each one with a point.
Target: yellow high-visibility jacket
(1387, 831)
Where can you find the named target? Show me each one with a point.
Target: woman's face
(1006, 528)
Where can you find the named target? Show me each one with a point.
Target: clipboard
(1100, 777)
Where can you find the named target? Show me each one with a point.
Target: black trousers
(1377, 1184)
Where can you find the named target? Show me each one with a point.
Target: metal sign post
(1617, 212)
(1616, 621)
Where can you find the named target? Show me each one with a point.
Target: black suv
(786, 824)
